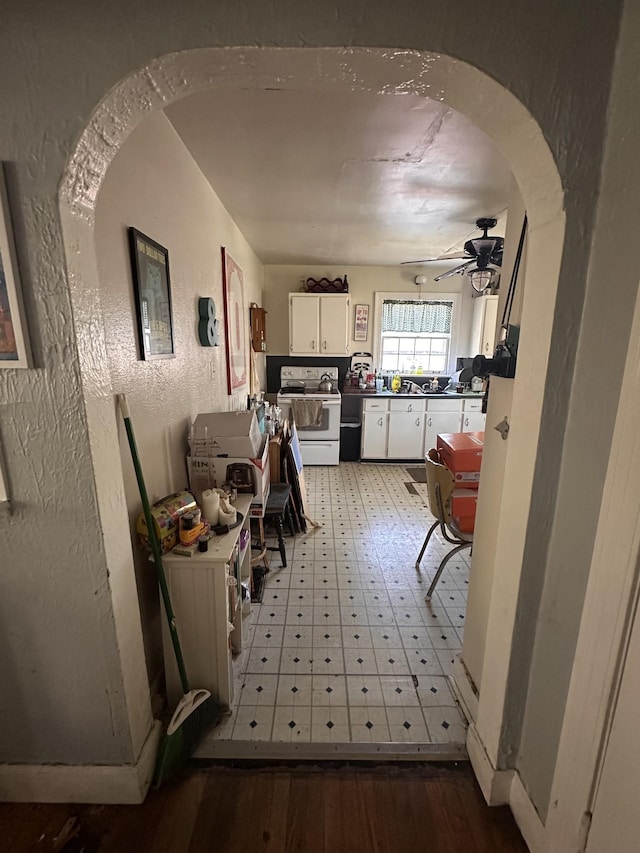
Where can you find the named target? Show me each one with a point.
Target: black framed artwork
(152, 290)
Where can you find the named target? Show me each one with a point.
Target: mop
(197, 710)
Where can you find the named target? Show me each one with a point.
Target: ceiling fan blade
(452, 257)
(455, 271)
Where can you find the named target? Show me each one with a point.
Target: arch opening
(464, 88)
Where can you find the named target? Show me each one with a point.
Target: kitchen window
(416, 335)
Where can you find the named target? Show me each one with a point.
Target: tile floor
(344, 649)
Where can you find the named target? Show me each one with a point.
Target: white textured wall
(65, 670)
(154, 185)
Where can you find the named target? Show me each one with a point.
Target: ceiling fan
(481, 255)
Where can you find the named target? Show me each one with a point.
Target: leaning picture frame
(14, 341)
(152, 289)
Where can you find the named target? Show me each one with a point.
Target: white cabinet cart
(211, 616)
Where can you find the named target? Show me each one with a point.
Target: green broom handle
(155, 546)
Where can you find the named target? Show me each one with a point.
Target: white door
(406, 431)
(374, 436)
(334, 325)
(304, 322)
(473, 422)
(438, 422)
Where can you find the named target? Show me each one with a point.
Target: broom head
(196, 712)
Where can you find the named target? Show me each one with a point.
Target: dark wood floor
(425, 809)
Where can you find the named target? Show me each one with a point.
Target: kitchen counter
(371, 392)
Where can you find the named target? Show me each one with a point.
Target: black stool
(278, 510)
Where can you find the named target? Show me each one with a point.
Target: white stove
(318, 426)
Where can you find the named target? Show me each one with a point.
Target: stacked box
(463, 508)
(231, 433)
(461, 452)
(249, 475)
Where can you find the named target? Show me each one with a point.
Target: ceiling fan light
(481, 279)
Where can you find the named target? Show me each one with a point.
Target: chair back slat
(440, 485)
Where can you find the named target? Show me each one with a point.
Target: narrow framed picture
(236, 329)
(152, 288)
(14, 341)
(361, 323)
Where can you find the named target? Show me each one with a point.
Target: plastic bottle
(396, 382)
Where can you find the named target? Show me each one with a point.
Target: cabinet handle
(417, 421)
(379, 421)
(410, 409)
(313, 344)
(466, 421)
(324, 345)
(429, 422)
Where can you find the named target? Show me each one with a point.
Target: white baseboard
(494, 784)
(464, 690)
(59, 783)
(526, 816)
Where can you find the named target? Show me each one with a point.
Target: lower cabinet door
(374, 436)
(473, 422)
(438, 422)
(406, 435)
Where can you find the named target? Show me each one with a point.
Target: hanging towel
(307, 413)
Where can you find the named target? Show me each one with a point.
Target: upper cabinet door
(304, 324)
(334, 325)
(483, 326)
(318, 324)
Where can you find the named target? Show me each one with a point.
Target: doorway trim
(463, 87)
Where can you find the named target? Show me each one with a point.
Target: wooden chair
(440, 485)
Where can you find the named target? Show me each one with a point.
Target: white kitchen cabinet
(442, 415)
(374, 429)
(393, 429)
(473, 420)
(405, 429)
(211, 617)
(483, 326)
(319, 324)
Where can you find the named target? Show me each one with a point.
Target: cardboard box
(250, 475)
(461, 452)
(234, 433)
(463, 508)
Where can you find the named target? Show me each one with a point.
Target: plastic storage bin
(350, 432)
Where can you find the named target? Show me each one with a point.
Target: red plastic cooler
(461, 452)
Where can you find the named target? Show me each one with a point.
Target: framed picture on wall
(361, 323)
(14, 343)
(235, 326)
(152, 288)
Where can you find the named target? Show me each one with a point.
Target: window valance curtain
(416, 317)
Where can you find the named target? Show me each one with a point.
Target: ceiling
(341, 178)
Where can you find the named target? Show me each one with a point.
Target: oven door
(329, 429)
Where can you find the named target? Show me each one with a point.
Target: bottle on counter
(396, 383)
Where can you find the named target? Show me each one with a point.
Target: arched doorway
(465, 89)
